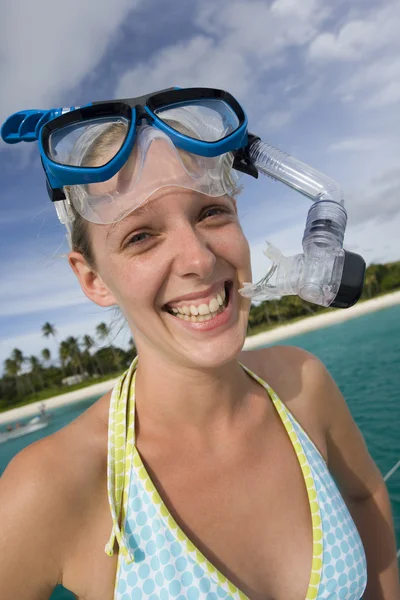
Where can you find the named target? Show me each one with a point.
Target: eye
(138, 238)
(213, 211)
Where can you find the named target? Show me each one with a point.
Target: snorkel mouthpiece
(316, 275)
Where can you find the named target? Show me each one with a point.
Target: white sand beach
(32, 410)
(261, 339)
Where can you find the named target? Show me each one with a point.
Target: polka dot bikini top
(157, 560)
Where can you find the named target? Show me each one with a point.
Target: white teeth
(203, 309)
(213, 305)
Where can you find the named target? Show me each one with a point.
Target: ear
(91, 283)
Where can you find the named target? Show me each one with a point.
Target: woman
(207, 464)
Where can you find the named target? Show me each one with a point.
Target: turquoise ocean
(362, 354)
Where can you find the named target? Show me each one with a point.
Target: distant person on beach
(208, 472)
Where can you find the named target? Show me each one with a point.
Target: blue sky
(318, 79)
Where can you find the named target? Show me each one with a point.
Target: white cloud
(360, 37)
(239, 42)
(356, 144)
(47, 47)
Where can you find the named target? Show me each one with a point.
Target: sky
(318, 79)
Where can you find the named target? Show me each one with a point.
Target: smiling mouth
(203, 312)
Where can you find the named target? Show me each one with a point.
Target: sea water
(362, 354)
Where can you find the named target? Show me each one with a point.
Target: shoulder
(306, 387)
(45, 491)
(291, 371)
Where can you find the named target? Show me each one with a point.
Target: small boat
(33, 425)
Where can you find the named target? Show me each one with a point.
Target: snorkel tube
(324, 273)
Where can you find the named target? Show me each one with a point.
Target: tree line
(27, 376)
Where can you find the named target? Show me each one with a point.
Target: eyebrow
(137, 212)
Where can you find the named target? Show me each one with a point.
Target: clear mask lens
(207, 120)
(154, 163)
(76, 145)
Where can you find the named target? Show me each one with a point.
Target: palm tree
(103, 331)
(46, 355)
(35, 368)
(48, 329)
(12, 367)
(88, 343)
(64, 354)
(74, 352)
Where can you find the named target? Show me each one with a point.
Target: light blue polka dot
(339, 533)
(346, 529)
(333, 521)
(149, 586)
(160, 541)
(169, 572)
(205, 585)
(340, 566)
(352, 574)
(181, 564)
(151, 511)
(359, 569)
(132, 578)
(151, 548)
(329, 571)
(343, 579)
(146, 533)
(198, 571)
(163, 594)
(155, 563)
(164, 557)
(176, 549)
(159, 578)
(154, 597)
(136, 505)
(127, 597)
(330, 538)
(335, 551)
(133, 491)
(144, 571)
(156, 525)
(211, 596)
(141, 518)
(193, 593)
(187, 578)
(174, 588)
(331, 585)
(344, 593)
(121, 586)
(327, 557)
(221, 592)
(349, 560)
(169, 536)
(353, 587)
(344, 546)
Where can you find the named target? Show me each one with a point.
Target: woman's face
(174, 266)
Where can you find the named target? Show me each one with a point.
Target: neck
(176, 397)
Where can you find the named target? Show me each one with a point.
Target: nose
(193, 253)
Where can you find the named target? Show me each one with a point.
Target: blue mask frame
(39, 125)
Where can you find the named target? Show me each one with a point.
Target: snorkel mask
(205, 139)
